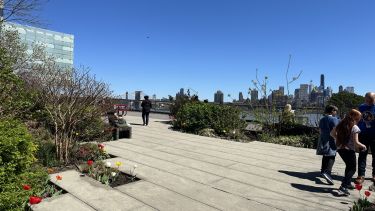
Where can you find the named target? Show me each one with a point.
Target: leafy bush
(12, 194)
(16, 149)
(46, 152)
(306, 141)
(180, 101)
(194, 117)
(93, 129)
(345, 101)
(90, 151)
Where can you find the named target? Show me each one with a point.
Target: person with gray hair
(367, 135)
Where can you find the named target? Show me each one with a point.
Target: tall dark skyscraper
(219, 97)
(341, 88)
(322, 81)
(240, 97)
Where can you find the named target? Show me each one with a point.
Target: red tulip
(367, 193)
(358, 187)
(90, 162)
(59, 177)
(34, 200)
(26, 187)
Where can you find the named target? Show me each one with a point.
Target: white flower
(113, 174)
(135, 166)
(108, 164)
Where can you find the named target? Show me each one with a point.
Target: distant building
(154, 97)
(304, 93)
(58, 45)
(322, 87)
(329, 91)
(341, 88)
(278, 98)
(311, 86)
(138, 99)
(127, 96)
(219, 97)
(281, 90)
(296, 94)
(240, 97)
(349, 89)
(254, 95)
(182, 92)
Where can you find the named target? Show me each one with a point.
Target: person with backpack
(146, 107)
(326, 145)
(346, 136)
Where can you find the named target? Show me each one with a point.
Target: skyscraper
(58, 45)
(329, 91)
(219, 97)
(254, 95)
(303, 92)
(281, 90)
(240, 97)
(349, 89)
(322, 87)
(138, 98)
(182, 91)
(341, 88)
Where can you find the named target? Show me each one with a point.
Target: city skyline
(321, 87)
(159, 46)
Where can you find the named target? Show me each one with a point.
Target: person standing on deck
(367, 136)
(146, 107)
(326, 145)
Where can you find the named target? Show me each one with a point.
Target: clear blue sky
(159, 46)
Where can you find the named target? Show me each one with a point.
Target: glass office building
(58, 45)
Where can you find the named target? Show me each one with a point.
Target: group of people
(354, 133)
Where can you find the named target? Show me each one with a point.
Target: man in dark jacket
(367, 136)
(146, 107)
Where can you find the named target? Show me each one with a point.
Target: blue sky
(159, 46)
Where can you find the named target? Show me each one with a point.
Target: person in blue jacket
(326, 145)
(367, 136)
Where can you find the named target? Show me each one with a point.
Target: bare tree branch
(22, 11)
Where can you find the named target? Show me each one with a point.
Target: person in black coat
(146, 107)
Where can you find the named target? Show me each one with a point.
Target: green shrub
(46, 152)
(194, 117)
(16, 149)
(180, 101)
(93, 129)
(12, 195)
(89, 151)
(306, 141)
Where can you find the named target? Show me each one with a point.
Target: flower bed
(50, 190)
(106, 174)
(89, 161)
